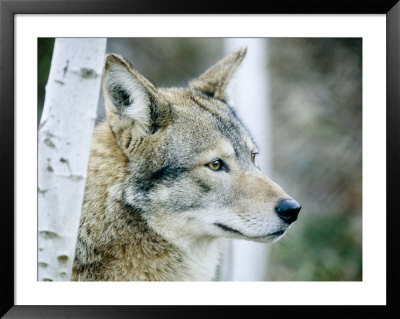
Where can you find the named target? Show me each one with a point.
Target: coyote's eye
(253, 157)
(215, 165)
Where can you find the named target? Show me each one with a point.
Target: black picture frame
(8, 10)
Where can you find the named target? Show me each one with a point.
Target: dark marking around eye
(164, 175)
(168, 172)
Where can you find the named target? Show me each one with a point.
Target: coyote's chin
(172, 174)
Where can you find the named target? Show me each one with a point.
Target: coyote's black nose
(288, 209)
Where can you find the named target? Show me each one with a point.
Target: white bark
(249, 260)
(64, 138)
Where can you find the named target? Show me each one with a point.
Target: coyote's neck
(115, 243)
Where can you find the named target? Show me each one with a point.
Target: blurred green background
(316, 100)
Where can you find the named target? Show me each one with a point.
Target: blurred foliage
(320, 248)
(45, 52)
(315, 92)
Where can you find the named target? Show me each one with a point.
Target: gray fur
(154, 209)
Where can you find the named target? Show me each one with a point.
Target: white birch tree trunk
(64, 138)
(246, 260)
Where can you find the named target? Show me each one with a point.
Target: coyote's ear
(215, 80)
(128, 95)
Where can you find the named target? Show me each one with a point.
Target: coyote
(172, 174)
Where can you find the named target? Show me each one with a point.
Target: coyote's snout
(172, 174)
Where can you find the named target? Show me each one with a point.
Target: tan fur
(152, 206)
(126, 248)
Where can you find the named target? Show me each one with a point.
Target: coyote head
(192, 164)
